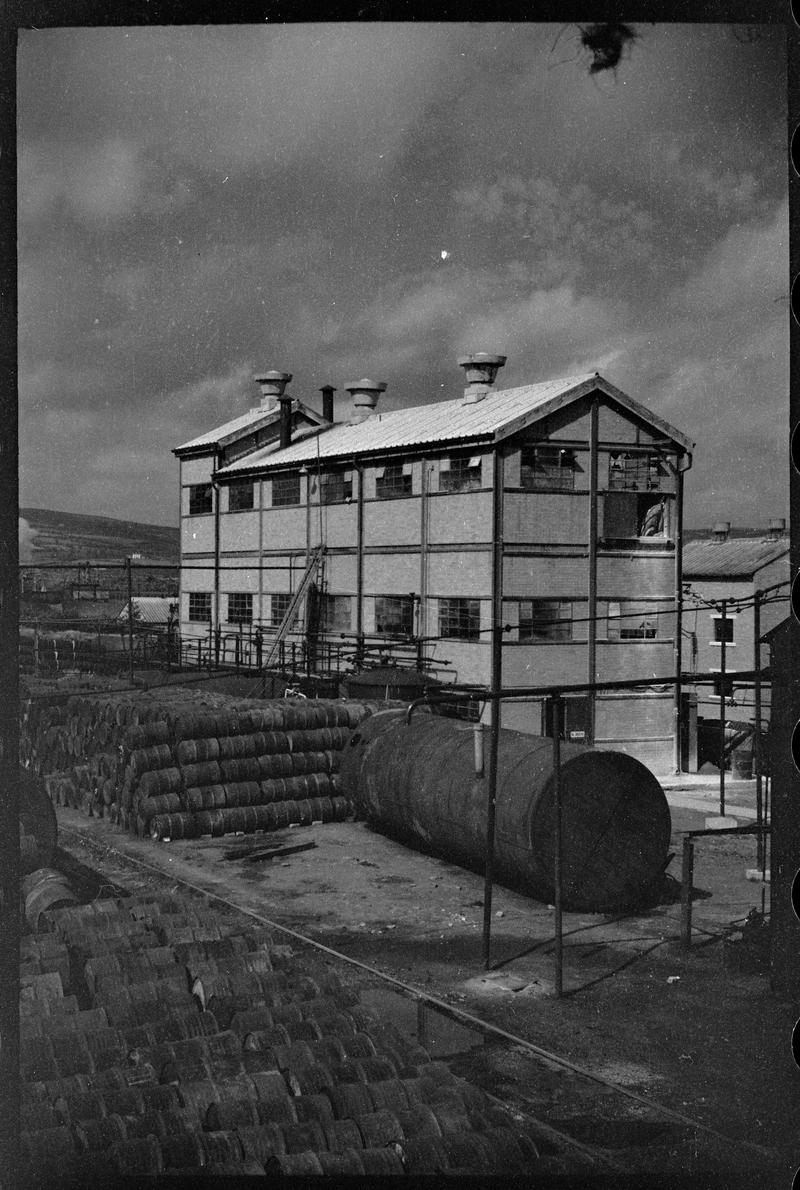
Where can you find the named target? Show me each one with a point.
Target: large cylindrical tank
(417, 781)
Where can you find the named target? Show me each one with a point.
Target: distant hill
(75, 537)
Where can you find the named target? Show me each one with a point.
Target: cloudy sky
(344, 200)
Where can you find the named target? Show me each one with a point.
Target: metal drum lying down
(417, 782)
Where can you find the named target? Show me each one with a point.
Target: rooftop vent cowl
(365, 395)
(480, 371)
(272, 385)
(721, 530)
(777, 528)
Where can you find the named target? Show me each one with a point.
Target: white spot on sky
(444, 254)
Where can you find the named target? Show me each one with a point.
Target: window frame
(235, 489)
(285, 598)
(336, 487)
(558, 479)
(628, 634)
(644, 471)
(468, 615)
(243, 619)
(328, 603)
(284, 485)
(192, 615)
(716, 618)
(562, 622)
(405, 606)
(460, 465)
(396, 485)
(208, 499)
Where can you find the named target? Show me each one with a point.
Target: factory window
(545, 619)
(278, 607)
(634, 472)
(459, 473)
(286, 489)
(624, 619)
(547, 467)
(335, 613)
(723, 630)
(200, 607)
(240, 608)
(240, 496)
(336, 487)
(460, 618)
(394, 615)
(393, 480)
(200, 499)
(629, 514)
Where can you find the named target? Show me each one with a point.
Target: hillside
(75, 537)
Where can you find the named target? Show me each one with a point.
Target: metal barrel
(417, 782)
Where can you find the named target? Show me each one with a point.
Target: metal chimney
(480, 371)
(365, 395)
(327, 391)
(721, 530)
(777, 528)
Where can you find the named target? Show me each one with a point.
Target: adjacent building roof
(736, 557)
(501, 413)
(254, 419)
(149, 609)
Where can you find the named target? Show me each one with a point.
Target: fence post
(555, 703)
(687, 874)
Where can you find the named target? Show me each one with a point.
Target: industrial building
(728, 565)
(562, 499)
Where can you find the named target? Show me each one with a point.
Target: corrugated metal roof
(149, 609)
(245, 421)
(737, 557)
(444, 421)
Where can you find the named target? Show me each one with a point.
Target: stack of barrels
(162, 1035)
(175, 763)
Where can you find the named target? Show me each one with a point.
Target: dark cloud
(337, 200)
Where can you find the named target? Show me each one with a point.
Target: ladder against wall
(289, 620)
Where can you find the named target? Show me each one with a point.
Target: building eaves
(738, 557)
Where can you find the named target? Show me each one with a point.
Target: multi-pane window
(625, 619)
(723, 630)
(278, 607)
(394, 615)
(460, 618)
(335, 613)
(393, 480)
(240, 608)
(547, 467)
(545, 619)
(459, 473)
(628, 471)
(240, 495)
(200, 499)
(200, 607)
(285, 489)
(336, 487)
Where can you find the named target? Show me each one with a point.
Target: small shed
(150, 610)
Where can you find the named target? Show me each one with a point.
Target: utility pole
(722, 659)
(129, 568)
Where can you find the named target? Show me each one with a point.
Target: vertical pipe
(424, 514)
(215, 498)
(558, 952)
(496, 684)
(687, 873)
(757, 759)
(129, 569)
(724, 629)
(678, 645)
(592, 591)
(359, 472)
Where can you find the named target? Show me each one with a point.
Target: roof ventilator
(365, 395)
(721, 530)
(480, 371)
